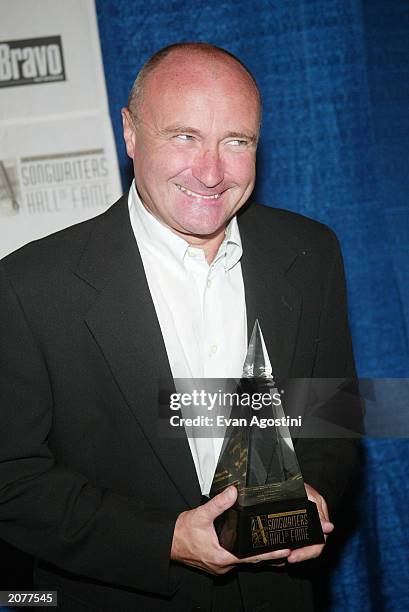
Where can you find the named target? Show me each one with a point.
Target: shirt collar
(156, 237)
(231, 245)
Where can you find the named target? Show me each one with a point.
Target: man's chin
(202, 232)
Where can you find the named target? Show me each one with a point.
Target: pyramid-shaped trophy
(272, 510)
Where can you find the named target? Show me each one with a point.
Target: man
(165, 284)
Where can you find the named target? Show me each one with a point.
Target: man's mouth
(193, 194)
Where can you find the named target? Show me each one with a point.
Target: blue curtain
(334, 76)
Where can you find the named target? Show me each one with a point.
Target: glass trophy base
(251, 530)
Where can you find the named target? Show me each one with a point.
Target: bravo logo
(31, 61)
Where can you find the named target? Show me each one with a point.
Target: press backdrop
(335, 138)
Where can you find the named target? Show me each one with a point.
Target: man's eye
(238, 143)
(184, 137)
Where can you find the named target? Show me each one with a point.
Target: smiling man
(192, 129)
(164, 285)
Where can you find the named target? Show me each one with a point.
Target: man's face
(194, 144)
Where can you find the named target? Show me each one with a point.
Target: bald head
(178, 59)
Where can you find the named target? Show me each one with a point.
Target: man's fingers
(219, 503)
(319, 500)
(327, 526)
(314, 551)
(305, 553)
(270, 556)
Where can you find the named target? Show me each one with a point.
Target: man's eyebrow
(177, 128)
(185, 129)
(242, 136)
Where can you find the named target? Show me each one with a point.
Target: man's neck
(209, 244)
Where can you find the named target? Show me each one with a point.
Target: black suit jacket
(87, 484)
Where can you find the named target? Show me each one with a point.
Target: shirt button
(209, 283)
(191, 254)
(213, 348)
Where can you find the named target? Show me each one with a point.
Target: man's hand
(195, 540)
(311, 552)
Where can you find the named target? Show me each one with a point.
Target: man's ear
(128, 131)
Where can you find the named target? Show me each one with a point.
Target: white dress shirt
(200, 307)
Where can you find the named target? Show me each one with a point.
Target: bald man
(163, 285)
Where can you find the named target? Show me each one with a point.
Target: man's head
(191, 129)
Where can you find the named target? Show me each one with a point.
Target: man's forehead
(199, 108)
(198, 69)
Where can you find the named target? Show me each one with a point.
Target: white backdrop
(58, 161)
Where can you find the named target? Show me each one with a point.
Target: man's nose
(208, 167)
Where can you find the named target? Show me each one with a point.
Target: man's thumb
(220, 502)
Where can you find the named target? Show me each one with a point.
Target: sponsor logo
(59, 182)
(77, 181)
(31, 61)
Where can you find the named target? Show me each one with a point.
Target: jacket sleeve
(54, 513)
(328, 462)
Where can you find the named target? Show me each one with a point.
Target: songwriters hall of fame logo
(54, 183)
(279, 528)
(31, 61)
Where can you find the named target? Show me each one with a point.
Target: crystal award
(272, 510)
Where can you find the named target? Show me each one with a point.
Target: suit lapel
(124, 324)
(270, 298)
